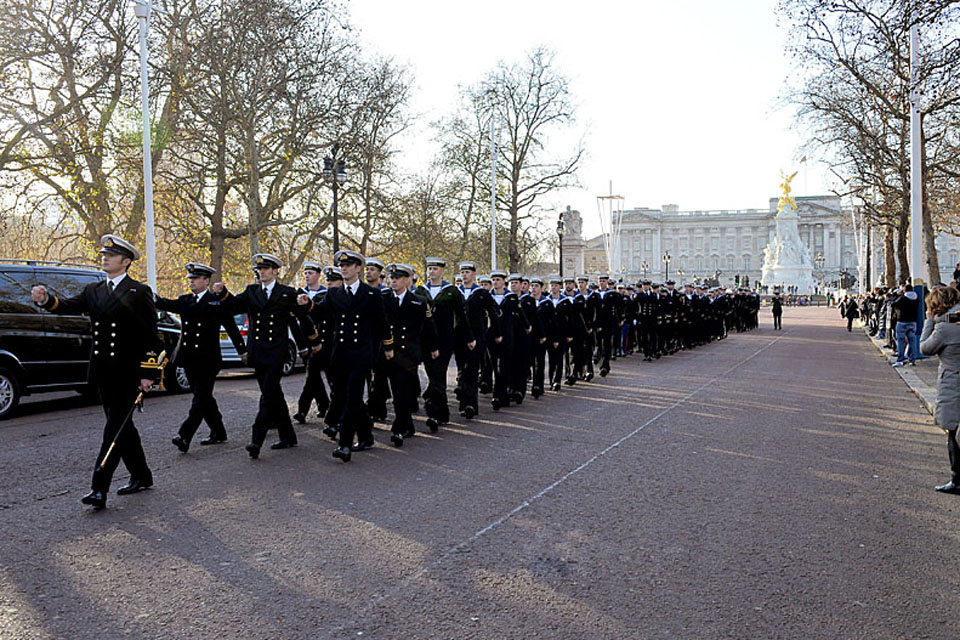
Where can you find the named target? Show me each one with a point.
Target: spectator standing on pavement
(777, 308)
(906, 306)
(849, 310)
(942, 338)
(956, 272)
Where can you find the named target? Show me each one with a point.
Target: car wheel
(175, 379)
(291, 359)
(9, 392)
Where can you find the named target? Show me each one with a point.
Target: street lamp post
(666, 264)
(818, 263)
(560, 231)
(644, 267)
(142, 10)
(680, 275)
(335, 172)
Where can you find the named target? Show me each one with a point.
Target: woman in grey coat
(942, 338)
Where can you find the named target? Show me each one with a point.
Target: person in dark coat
(609, 321)
(360, 332)
(941, 337)
(513, 321)
(201, 316)
(850, 310)
(481, 315)
(314, 390)
(124, 322)
(414, 342)
(546, 335)
(449, 312)
(776, 305)
(272, 311)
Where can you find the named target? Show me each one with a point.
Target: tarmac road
(772, 485)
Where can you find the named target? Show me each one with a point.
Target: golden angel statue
(786, 198)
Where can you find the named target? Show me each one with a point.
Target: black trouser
(378, 390)
(557, 359)
(648, 337)
(202, 377)
(538, 366)
(605, 337)
(404, 384)
(273, 411)
(349, 377)
(485, 379)
(435, 397)
(584, 355)
(520, 364)
(313, 387)
(778, 321)
(117, 400)
(468, 376)
(501, 365)
(849, 323)
(953, 451)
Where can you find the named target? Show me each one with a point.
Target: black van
(42, 351)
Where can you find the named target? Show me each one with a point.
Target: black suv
(42, 351)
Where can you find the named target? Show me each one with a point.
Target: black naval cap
(646, 283)
(199, 270)
(669, 282)
(116, 245)
(332, 274)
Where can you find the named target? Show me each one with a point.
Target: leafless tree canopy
(246, 101)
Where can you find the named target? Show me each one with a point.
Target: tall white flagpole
(142, 9)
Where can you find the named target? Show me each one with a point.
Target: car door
(69, 338)
(21, 322)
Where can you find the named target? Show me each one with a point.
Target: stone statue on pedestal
(786, 259)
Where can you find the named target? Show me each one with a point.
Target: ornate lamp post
(560, 230)
(818, 263)
(335, 172)
(680, 275)
(644, 267)
(666, 264)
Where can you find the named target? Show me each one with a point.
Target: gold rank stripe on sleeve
(388, 342)
(56, 303)
(314, 335)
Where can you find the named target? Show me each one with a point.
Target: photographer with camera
(941, 337)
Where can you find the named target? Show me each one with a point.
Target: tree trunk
(889, 257)
(217, 236)
(902, 230)
(930, 259)
(253, 204)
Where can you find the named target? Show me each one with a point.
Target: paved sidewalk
(921, 379)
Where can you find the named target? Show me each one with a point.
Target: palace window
(746, 263)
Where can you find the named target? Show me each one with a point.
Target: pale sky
(678, 100)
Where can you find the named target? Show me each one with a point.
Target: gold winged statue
(786, 198)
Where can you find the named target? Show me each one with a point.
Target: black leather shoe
(96, 499)
(322, 411)
(950, 487)
(604, 372)
(396, 440)
(343, 453)
(209, 440)
(495, 404)
(134, 486)
(299, 417)
(516, 397)
(469, 412)
(433, 424)
(555, 386)
(362, 446)
(253, 450)
(484, 389)
(180, 443)
(283, 445)
(330, 432)
(570, 381)
(536, 392)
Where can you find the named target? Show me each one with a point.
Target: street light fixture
(560, 230)
(818, 263)
(335, 173)
(644, 267)
(680, 275)
(666, 264)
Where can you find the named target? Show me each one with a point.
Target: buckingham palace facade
(731, 242)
